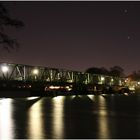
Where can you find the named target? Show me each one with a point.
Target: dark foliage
(6, 21)
(116, 71)
(135, 76)
(95, 70)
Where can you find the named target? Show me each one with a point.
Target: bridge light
(35, 71)
(4, 69)
(112, 79)
(102, 78)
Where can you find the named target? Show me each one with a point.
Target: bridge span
(19, 73)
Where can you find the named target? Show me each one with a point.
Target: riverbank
(12, 94)
(26, 93)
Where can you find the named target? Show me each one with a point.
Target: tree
(95, 70)
(104, 71)
(135, 76)
(117, 71)
(7, 21)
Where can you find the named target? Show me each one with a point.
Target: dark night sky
(77, 35)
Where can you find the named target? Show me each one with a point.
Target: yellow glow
(73, 96)
(35, 122)
(81, 96)
(70, 81)
(4, 69)
(102, 78)
(6, 120)
(68, 88)
(32, 98)
(35, 71)
(54, 87)
(103, 119)
(58, 99)
(132, 88)
(112, 79)
(91, 97)
(58, 123)
(126, 80)
(126, 94)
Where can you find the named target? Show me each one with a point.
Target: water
(91, 116)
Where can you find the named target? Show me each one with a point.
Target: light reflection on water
(103, 124)
(92, 116)
(58, 116)
(35, 121)
(32, 98)
(91, 97)
(6, 120)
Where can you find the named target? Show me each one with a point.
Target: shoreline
(26, 93)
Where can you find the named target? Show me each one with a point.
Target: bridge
(31, 74)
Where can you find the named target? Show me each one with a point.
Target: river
(62, 117)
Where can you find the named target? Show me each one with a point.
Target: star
(125, 11)
(128, 37)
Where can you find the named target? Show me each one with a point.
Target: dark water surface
(91, 116)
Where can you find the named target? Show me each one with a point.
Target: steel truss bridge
(19, 72)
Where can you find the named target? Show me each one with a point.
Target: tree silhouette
(7, 21)
(95, 70)
(117, 71)
(135, 75)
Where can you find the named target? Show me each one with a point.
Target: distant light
(125, 11)
(138, 83)
(32, 98)
(126, 94)
(112, 80)
(70, 81)
(68, 88)
(128, 37)
(73, 96)
(102, 78)
(120, 82)
(126, 80)
(30, 86)
(35, 71)
(132, 88)
(54, 87)
(4, 69)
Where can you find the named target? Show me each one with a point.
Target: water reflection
(91, 97)
(103, 123)
(32, 98)
(58, 117)
(35, 120)
(6, 121)
(92, 116)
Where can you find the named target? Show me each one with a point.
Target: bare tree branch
(6, 21)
